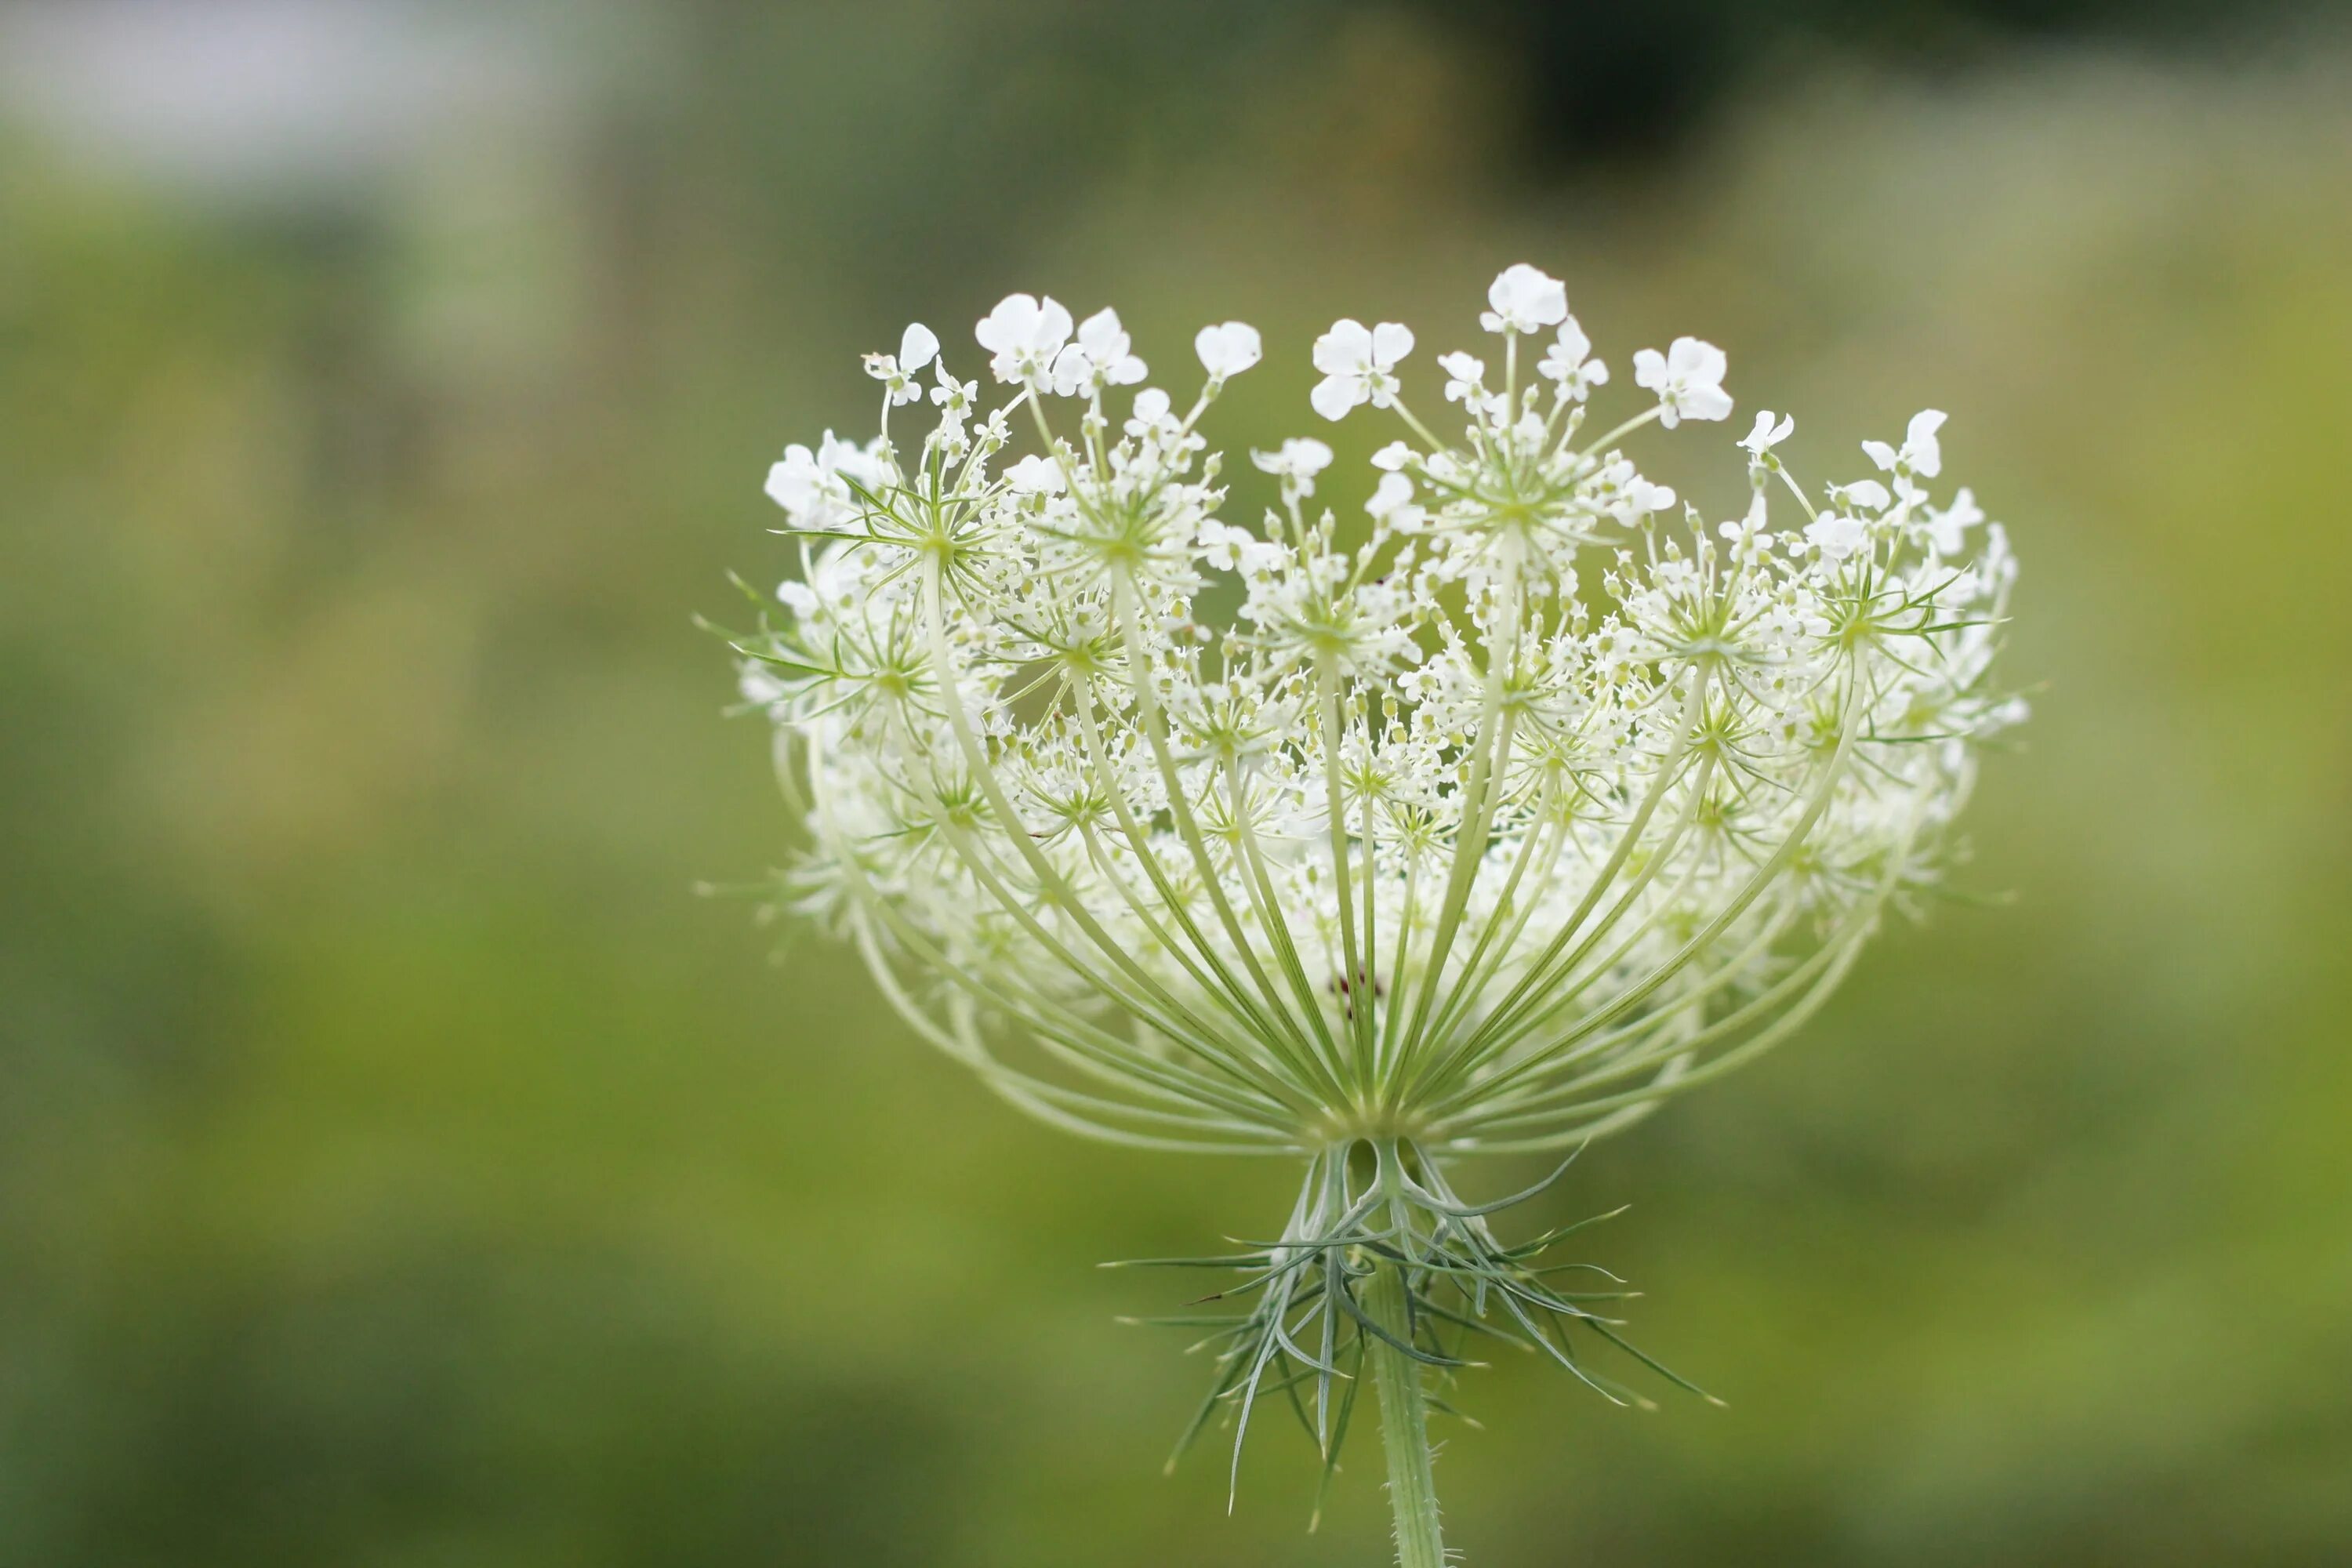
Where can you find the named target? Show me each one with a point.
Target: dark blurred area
(1598, 82)
(400, 1166)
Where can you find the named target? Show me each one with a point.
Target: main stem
(1405, 1423)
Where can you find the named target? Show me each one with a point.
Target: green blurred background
(400, 1166)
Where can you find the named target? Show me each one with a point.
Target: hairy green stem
(1404, 1423)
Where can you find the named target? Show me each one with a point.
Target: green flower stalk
(1489, 819)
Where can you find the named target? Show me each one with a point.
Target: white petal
(1053, 328)
(786, 486)
(1100, 336)
(1926, 452)
(1345, 350)
(915, 347)
(1072, 370)
(1696, 360)
(1709, 402)
(1393, 491)
(1227, 349)
(1525, 298)
(1034, 475)
(1009, 324)
(1335, 395)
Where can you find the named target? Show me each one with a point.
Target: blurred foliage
(399, 1166)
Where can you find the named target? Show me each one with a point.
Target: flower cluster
(1504, 803)
(1508, 802)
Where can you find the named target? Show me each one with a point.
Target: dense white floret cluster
(1510, 796)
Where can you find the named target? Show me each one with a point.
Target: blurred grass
(398, 1166)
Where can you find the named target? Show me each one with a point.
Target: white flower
(1227, 349)
(1230, 549)
(1767, 433)
(1688, 380)
(1866, 494)
(1947, 528)
(1524, 301)
(813, 487)
(1035, 475)
(1921, 456)
(1837, 536)
(1025, 334)
(762, 690)
(896, 372)
(953, 396)
(1566, 363)
(1392, 501)
(1359, 366)
(1100, 358)
(1642, 497)
(1392, 456)
(1298, 460)
(1154, 415)
(1466, 376)
(1073, 372)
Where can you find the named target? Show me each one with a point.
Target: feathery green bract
(1306, 1331)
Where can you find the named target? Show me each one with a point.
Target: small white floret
(1023, 333)
(1688, 380)
(1767, 433)
(1525, 300)
(1920, 454)
(1227, 349)
(1035, 475)
(1359, 366)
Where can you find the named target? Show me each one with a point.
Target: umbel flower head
(1511, 796)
